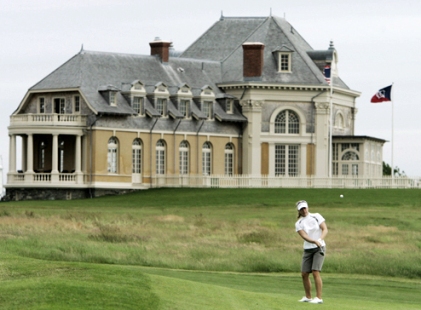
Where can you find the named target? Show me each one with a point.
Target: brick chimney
(160, 48)
(253, 59)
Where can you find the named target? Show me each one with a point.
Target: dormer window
(137, 105)
(207, 109)
(207, 98)
(113, 100)
(285, 62)
(161, 106)
(230, 106)
(184, 107)
(183, 99)
(283, 56)
(109, 93)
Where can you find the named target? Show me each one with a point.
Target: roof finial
(331, 46)
(222, 15)
(270, 12)
(81, 48)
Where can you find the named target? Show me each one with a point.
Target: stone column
(12, 153)
(55, 172)
(322, 139)
(78, 160)
(252, 110)
(30, 154)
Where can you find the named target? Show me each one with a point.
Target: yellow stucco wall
(100, 139)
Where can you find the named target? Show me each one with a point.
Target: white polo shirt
(311, 225)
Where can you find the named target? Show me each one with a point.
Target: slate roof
(223, 42)
(214, 58)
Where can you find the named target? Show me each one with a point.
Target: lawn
(208, 249)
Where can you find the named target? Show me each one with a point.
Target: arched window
(184, 157)
(229, 159)
(350, 156)
(206, 158)
(137, 156)
(354, 166)
(160, 157)
(287, 121)
(112, 155)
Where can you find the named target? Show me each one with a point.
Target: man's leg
(318, 282)
(306, 283)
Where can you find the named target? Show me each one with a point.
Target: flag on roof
(384, 94)
(326, 72)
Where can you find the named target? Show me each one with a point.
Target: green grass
(208, 249)
(35, 284)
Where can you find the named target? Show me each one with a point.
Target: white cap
(302, 204)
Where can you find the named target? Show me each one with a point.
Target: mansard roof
(223, 42)
(213, 59)
(91, 71)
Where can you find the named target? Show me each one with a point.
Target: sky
(378, 44)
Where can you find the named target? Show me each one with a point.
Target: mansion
(248, 97)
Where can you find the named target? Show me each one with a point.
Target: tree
(396, 171)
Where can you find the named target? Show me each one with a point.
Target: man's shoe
(305, 299)
(316, 300)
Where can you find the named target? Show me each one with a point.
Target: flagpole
(330, 125)
(393, 138)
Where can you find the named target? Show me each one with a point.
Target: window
(184, 157)
(350, 156)
(59, 105)
(284, 63)
(161, 106)
(345, 146)
(61, 156)
(76, 104)
(206, 158)
(137, 105)
(230, 106)
(229, 159)
(286, 160)
(208, 109)
(41, 105)
(160, 157)
(184, 107)
(113, 98)
(112, 155)
(137, 156)
(287, 121)
(345, 169)
(41, 156)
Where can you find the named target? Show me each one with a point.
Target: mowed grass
(208, 249)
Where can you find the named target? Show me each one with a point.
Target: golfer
(312, 228)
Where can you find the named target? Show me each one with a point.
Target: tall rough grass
(377, 240)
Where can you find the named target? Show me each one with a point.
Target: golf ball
(342, 196)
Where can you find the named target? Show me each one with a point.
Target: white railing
(48, 119)
(41, 178)
(248, 181)
(224, 181)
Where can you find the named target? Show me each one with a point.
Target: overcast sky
(378, 43)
